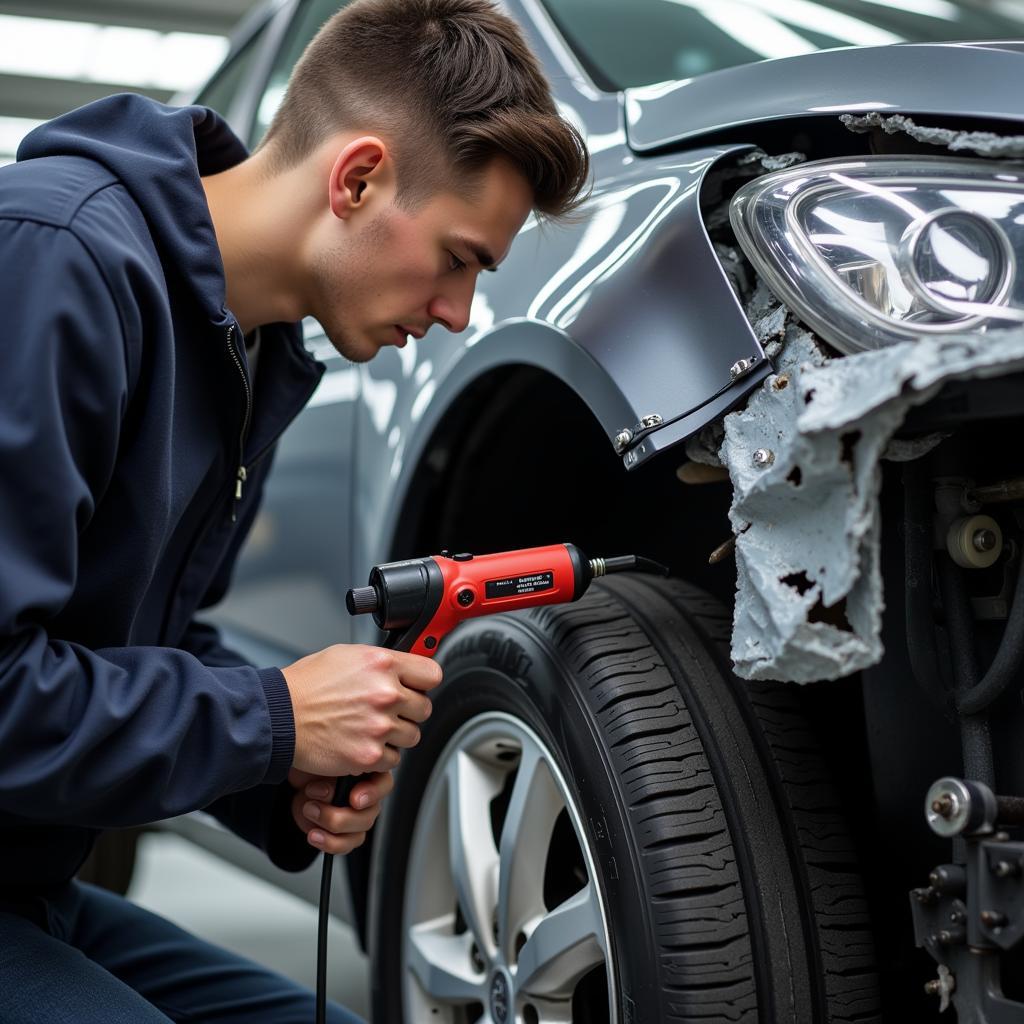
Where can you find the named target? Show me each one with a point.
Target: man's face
(396, 272)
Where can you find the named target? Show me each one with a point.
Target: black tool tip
(361, 600)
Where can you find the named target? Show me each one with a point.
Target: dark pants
(106, 961)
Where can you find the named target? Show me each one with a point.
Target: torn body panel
(806, 514)
(988, 144)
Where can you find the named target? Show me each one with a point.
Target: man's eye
(454, 263)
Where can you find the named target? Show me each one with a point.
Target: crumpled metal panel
(983, 143)
(805, 510)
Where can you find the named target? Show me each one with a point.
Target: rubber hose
(1007, 662)
(975, 736)
(917, 552)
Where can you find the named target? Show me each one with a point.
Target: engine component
(975, 542)
(953, 807)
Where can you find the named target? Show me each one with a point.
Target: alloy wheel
(504, 918)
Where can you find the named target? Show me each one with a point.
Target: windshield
(624, 43)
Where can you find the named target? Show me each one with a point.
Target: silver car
(781, 352)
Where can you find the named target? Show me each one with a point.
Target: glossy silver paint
(966, 80)
(629, 307)
(573, 311)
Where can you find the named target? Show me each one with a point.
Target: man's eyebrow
(483, 257)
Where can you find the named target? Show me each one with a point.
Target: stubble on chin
(335, 266)
(347, 347)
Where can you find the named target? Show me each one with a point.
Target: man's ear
(361, 169)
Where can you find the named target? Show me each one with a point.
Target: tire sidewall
(504, 665)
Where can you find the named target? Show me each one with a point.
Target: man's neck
(259, 223)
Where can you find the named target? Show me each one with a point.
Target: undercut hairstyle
(449, 85)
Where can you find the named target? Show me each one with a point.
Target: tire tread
(681, 831)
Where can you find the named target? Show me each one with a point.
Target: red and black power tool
(421, 600)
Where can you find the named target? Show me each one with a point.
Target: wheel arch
(518, 454)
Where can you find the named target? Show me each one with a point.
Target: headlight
(877, 251)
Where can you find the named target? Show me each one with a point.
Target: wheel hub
(501, 998)
(477, 927)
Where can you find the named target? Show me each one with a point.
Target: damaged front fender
(804, 460)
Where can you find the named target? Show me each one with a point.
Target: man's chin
(354, 351)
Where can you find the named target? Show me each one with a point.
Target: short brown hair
(451, 84)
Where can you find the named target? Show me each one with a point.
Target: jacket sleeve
(114, 736)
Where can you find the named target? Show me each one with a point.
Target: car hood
(969, 80)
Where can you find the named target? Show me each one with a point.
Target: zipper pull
(240, 477)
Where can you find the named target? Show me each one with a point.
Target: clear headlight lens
(881, 250)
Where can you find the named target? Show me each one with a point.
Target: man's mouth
(404, 333)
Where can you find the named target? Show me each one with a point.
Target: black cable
(321, 939)
(1007, 662)
(917, 552)
(342, 796)
(975, 736)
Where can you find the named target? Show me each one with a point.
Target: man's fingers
(417, 672)
(403, 734)
(414, 706)
(335, 844)
(372, 790)
(321, 789)
(339, 820)
(389, 760)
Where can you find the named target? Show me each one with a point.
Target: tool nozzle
(626, 563)
(362, 600)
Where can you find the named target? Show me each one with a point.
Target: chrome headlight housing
(875, 251)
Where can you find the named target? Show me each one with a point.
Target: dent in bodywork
(809, 587)
(987, 144)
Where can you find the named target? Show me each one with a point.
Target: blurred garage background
(60, 54)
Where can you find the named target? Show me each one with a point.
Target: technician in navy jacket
(141, 253)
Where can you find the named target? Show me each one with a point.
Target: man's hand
(336, 829)
(354, 706)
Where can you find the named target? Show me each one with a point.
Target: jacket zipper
(242, 474)
(209, 519)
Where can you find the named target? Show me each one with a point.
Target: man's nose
(451, 311)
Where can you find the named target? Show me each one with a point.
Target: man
(152, 275)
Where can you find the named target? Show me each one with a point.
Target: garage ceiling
(36, 83)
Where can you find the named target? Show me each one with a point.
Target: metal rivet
(740, 367)
(651, 420)
(623, 437)
(763, 457)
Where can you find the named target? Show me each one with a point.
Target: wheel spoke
(565, 945)
(474, 859)
(534, 805)
(441, 962)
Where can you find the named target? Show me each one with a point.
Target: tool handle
(343, 787)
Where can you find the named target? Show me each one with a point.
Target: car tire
(698, 868)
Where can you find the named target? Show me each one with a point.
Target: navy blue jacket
(126, 413)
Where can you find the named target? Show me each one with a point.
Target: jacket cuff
(282, 724)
